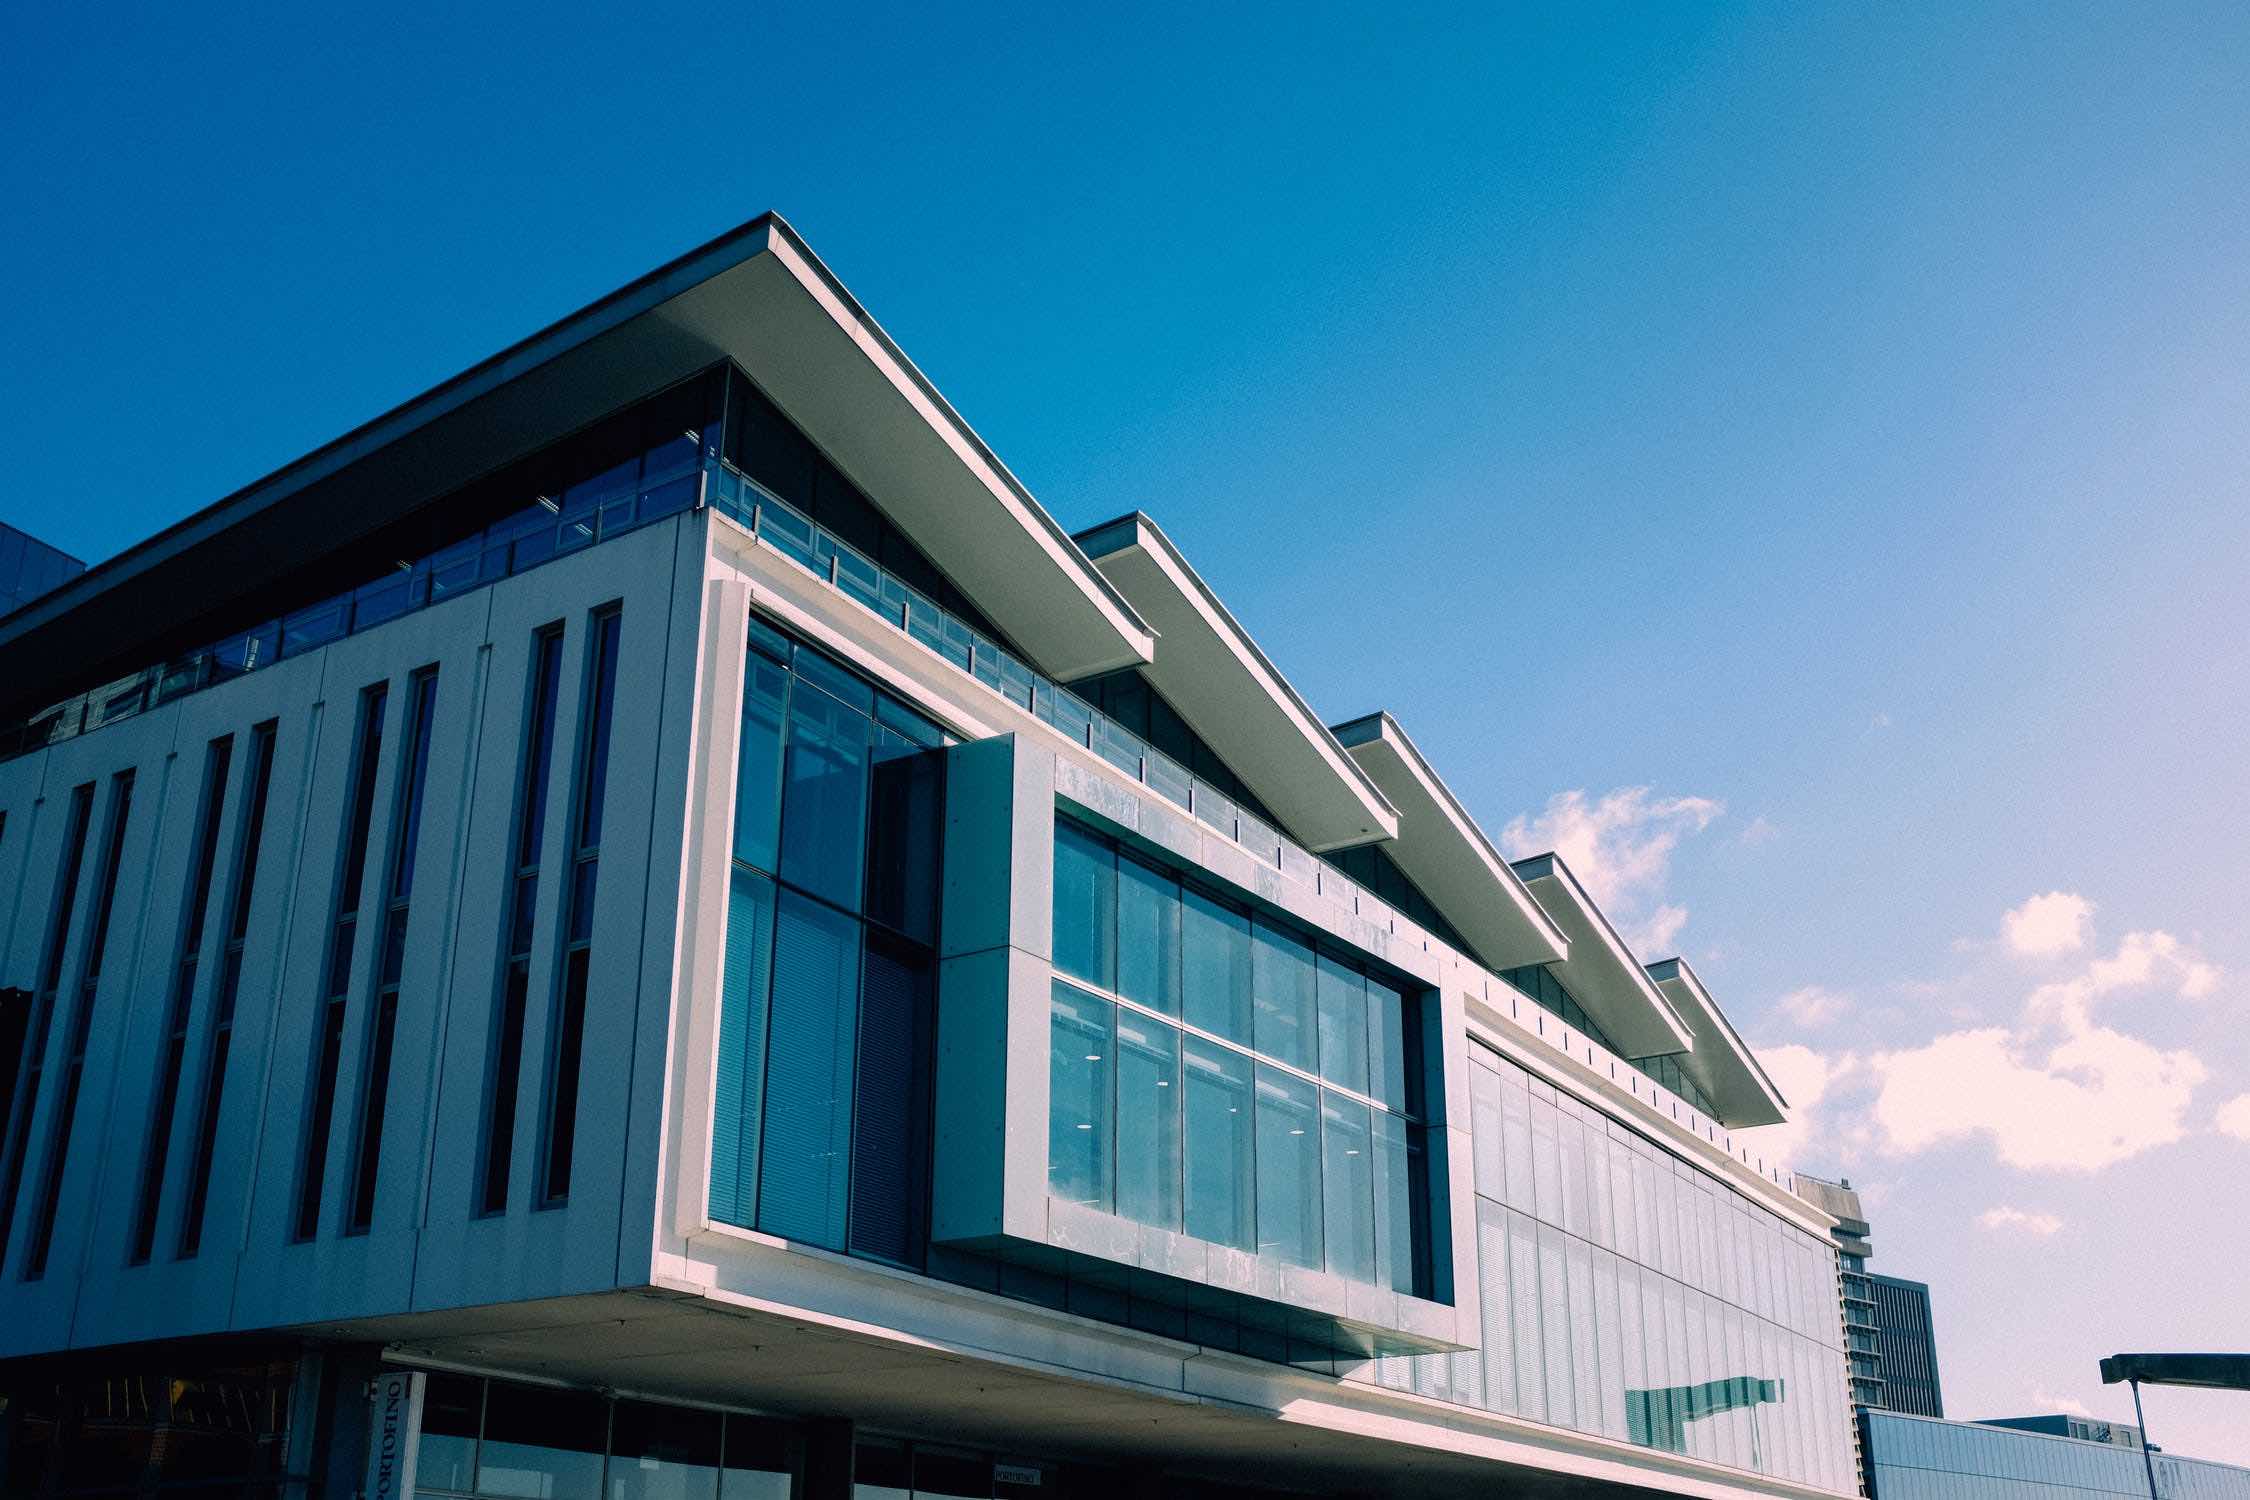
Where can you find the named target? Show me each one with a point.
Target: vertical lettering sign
(394, 1430)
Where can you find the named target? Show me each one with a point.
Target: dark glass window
(81, 1028)
(821, 1102)
(1085, 906)
(375, 1079)
(216, 759)
(1127, 698)
(1371, 866)
(230, 983)
(568, 1035)
(342, 939)
(24, 1097)
(514, 996)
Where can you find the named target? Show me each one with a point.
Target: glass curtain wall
(1216, 1072)
(491, 1438)
(1629, 1294)
(822, 1103)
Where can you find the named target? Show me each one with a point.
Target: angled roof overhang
(1600, 972)
(1443, 851)
(757, 295)
(1210, 669)
(1722, 1065)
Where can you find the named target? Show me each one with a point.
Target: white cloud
(2233, 1117)
(1759, 830)
(2048, 925)
(1805, 1077)
(2043, 1400)
(1812, 1006)
(1879, 721)
(1620, 847)
(2059, 1091)
(2006, 1216)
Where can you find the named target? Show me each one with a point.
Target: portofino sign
(394, 1430)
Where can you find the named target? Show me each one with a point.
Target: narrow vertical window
(217, 758)
(516, 934)
(569, 1030)
(230, 983)
(24, 1098)
(336, 974)
(81, 1026)
(382, 1032)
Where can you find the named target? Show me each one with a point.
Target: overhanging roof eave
(1600, 969)
(1215, 674)
(1722, 1063)
(620, 347)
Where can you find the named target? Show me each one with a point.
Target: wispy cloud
(2007, 1216)
(2045, 926)
(1620, 845)
(2233, 1117)
(1812, 1006)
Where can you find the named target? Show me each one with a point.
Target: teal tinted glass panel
(738, 1099)
(1343, 1025)
(1281, 977)
(1149, 1102)
(1395, 1257)
(807, 1138)
(1079, 1099)
(1085, 906)
(1220, 1183)
(1148, 936)
(758, 761)
(1215, 946)
(905, 836)
(1347, 1148)
(1288, 1149)
(824, 796)
(1386, 1044)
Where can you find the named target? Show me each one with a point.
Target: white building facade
(648, 924)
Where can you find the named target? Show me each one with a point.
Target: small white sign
(394, 1433)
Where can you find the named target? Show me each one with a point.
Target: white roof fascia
(1600, 972)
(1445, 853)
(1722, 1064)
(1211, 671)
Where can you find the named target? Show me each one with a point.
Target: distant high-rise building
(1906, 1347)
(29, 568)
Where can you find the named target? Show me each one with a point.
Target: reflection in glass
(824, 797)
(1215, 946)
(1282, 982)
(663, 1453)
(1220, 1182)
(1148, 1120)
(542, 1444)
(1148, 936)
(1085, 906)
(1348, 1186)
(1078, 1109)
(1343, 1025)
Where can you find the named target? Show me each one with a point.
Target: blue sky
(1792, 457)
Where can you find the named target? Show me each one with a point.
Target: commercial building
(2063, 1424)
(648, 923)
(29, 568)
(1923, 1458)
(1907, 1345)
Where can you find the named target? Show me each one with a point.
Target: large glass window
(1626, 1292)
(1220, 1185)
(827, 1008)
(1255, 1128)
(491, 1438)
